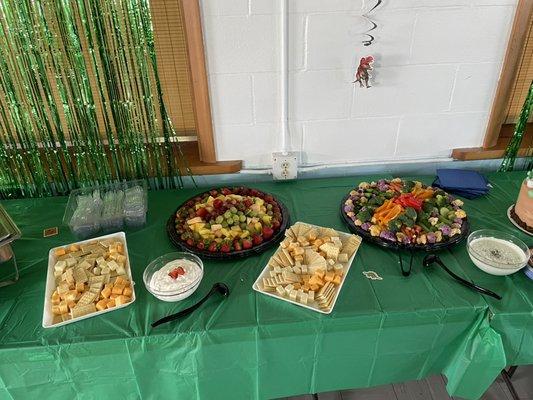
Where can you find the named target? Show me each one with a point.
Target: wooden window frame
(200, 89)
(498, 134)
(201, 155)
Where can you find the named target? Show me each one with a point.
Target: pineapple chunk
(194, 220)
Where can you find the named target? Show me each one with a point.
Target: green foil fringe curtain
(513, 147)
(80, 98)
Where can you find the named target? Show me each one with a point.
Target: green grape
(219, 219)
(233, 210)
(242, 218)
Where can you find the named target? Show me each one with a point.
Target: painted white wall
(436, 71)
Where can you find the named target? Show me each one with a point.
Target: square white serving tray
(48, 316)
(312, 306)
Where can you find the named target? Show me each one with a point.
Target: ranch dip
(499, 252)
(162, 282)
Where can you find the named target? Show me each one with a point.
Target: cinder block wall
(436, 71)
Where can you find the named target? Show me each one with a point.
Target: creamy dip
(162, 282)
(500, 253)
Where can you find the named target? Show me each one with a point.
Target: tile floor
(432, 388)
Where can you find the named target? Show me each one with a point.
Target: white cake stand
(514, 222)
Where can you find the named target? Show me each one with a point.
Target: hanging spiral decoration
(370, 38)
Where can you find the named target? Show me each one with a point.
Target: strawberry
(217, 203)
(176, 272)
(225, 248)
(248, 202)
(257, 240)
(237, 246)
(267, 232)
(246, 244)
(225, 191)
(212, 247)
(190, 242)
(200, 246)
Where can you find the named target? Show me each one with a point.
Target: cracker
(81, 310)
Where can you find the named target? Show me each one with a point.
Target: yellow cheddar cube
(329, 276)
(73, 247)
(118, 289)
(60, 252)
(337, 280)
(122, 300)
(127, 291)
(111, 303)
(320, 273)
(101, 305)
(106, 292)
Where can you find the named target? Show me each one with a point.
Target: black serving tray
(278, 236)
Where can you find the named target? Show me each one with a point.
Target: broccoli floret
(428, 206)
(408, 186)
(394, 225)
(364, 216)
(411, 212)
(440, 200)
(375, 201)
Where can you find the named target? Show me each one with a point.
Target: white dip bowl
(497, 253)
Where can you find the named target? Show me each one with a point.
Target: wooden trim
(199, 167)
(498, 150)
(195, 46)
(511, 63)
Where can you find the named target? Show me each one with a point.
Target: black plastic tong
(219, 287)
(433, 258)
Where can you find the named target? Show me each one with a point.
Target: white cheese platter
(310, 267)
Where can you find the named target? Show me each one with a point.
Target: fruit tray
(310, 267)
(228, 223)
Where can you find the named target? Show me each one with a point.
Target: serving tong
(431, 259)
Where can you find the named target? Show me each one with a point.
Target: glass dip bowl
(166, 288)
(497, 253)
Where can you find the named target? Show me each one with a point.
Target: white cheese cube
(60, 266)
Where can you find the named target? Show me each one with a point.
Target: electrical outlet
(284, 165)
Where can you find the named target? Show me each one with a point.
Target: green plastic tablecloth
(253, 346)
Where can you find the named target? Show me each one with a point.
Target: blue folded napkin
(465, 183)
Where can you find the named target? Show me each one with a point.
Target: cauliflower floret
(460, 214)
(422, 239)
(358, 222)
(364, 185)
(438, 236)
(455, 231)
(433, 220)
(375, 230)
(458, 203)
